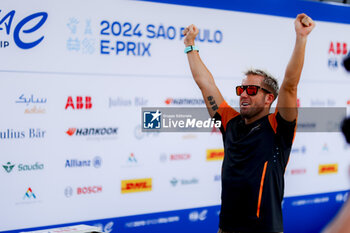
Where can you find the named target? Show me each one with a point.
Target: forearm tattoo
(212, 103)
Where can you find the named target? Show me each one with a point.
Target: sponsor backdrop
(75, 75)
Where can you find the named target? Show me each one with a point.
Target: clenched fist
(190, 34)
(303, 25)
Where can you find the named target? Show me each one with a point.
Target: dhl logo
(327, 168)
(138, 185)
(215, 154)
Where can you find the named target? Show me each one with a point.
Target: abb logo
(215, 154)
(338, 48)
(80, 102)
(89, 190)
(180, 156)
(139, 185)
(328, 169)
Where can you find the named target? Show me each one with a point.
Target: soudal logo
(336, 51)
(89, 190)
(328, 169)
(215, 154)
(31, 133)
(79, 103)
(138, 185)
(184, 101)
(24, 30)
(110, 131)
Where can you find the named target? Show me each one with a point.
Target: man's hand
(190, 34)
(303, 25)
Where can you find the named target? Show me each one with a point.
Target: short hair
(269, 81)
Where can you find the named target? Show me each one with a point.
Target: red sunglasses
(251, 89)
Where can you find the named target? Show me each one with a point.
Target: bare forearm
(295, 65)
(200, 72)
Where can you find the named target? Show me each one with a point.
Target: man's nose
(244, 93)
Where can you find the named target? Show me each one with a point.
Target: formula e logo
(26, 26)
(152, 120)
(198, 216)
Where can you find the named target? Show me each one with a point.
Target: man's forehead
(252, 80)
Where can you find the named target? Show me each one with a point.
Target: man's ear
(269, 98)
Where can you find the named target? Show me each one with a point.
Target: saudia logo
(23, 167)
(24, 29)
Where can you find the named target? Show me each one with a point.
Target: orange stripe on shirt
(227, 113)
(261, 189)
(273, 121)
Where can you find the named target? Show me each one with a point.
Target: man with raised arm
(257, 144)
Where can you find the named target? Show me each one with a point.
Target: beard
(250, 112)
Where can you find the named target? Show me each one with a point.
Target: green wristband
(191, 48)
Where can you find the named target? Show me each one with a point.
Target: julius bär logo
(138, 185)
(24, 31)
(152, 119)
(336, 52)
(80, 103)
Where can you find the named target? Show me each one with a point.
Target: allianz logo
(23, 167)
(96, 162)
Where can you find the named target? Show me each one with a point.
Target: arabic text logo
(32, 104)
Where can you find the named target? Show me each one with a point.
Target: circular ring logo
(68, 192)
(97, 162)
